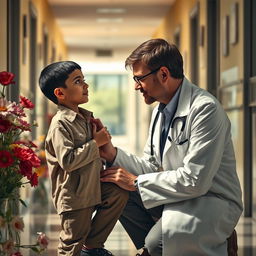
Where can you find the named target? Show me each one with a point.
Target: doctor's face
(146, 82)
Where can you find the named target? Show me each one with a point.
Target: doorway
(213, 46)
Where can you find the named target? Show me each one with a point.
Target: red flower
(27, 154)
(5, 159)
(16, 254)
(34, 179)
(5, 125)
(26, 103)
(35, 160)
(32, 144)
(42, 240)
(21, 153)
(6, 78)
(23, 125)
(17, 223)
(25, 168)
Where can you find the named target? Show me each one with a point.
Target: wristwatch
(135, 183)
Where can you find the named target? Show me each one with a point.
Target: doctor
(185, 196)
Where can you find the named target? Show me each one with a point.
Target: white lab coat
(198, 185)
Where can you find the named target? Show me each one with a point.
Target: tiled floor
(246, 232)
(119, 242)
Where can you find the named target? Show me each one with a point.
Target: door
(13, 47)
(213, 46)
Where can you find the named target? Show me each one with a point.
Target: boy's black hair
(54, 76)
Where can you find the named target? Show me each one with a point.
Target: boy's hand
(107, 151)
(97, 122)
(102, 136)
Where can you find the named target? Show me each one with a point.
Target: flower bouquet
(40, 196)
(18, 161)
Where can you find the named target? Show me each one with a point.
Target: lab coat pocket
(182, 147)
(178, 152)
(177, 141)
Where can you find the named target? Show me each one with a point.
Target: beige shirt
(73, 160)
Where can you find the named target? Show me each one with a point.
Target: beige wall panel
(202, 48)
(44, 18)
(56, 41)
(236, 118)
(179, 15)
(234, 58)
(24, 50)
(3, 33)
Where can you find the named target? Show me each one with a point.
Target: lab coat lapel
(182, 110)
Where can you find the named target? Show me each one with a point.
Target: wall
(3, 33)
(179, 16)
(56, 51)
(231, 91)
(235, 52)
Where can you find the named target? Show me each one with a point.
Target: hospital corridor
(217, 41)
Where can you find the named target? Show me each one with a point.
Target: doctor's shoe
(232, 244)
(144, 253)
(95, 252)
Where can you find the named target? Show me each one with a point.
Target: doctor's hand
(120, 177)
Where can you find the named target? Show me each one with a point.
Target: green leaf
(35, 249)
(23, 202)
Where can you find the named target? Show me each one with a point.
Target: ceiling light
(109, 20)
(111, 10)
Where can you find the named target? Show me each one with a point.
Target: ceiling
(109, 25)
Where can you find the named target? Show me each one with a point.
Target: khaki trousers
(78, 227)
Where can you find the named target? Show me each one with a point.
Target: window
(108, 100)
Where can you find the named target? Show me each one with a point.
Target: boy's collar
(71, 114)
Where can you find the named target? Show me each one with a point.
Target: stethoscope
(181, 119)
(177, 140)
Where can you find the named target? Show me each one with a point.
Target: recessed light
(111, 10)
(109, 20)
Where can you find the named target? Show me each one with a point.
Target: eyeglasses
(137, 79)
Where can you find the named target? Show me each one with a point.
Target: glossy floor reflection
(246, 232)
(119, 243)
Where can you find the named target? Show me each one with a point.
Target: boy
(72, 152)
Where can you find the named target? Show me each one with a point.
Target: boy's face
(77, 90)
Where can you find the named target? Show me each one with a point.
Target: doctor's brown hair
(156, 53)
